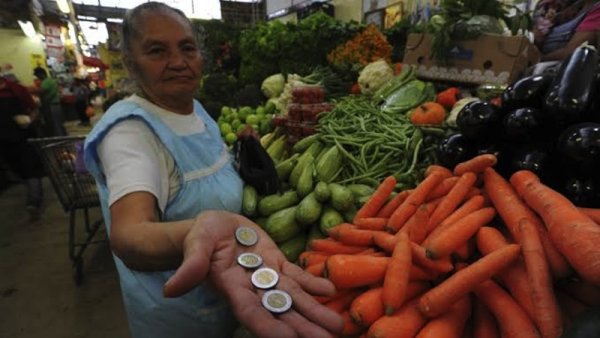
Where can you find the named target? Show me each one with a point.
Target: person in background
(560, 26)
(50, 103)
(7, 72)
(171, 199)
(17, 111)
(82, 101)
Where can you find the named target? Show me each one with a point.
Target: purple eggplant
(526, 92)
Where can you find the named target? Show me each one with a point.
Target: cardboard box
(490, 59)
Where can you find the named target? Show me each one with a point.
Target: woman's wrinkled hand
(211, 250)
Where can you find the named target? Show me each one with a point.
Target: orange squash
(429, 113)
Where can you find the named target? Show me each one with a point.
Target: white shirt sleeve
(130, 155)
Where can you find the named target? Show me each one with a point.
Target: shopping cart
(76, 190)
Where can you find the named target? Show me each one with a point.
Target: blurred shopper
(82, 101)
(50, 103)
(17, 112)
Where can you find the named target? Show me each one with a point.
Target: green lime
(240, 128)
(260, 110)
(252, 119)
(225, 110)
(264, 127)
(247, 110)
(235, 123)
(226, 128)
(230, 138)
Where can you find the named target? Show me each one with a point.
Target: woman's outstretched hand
(210, 252)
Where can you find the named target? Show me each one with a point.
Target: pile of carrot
(466, 253)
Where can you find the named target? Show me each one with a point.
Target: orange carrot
(513, 277)
(339, 293)
(412, 202)
(573, 233)
(546, 310)
(582, 291)
(342, 302)
(474, 191)
(406, 322)
(443, 188)
(371, 223)
(332, 246)
(377, 199)
(484, 323)
(397, 276)
(512, 320)
(464, 252)
(592, 213)
(457, 234)
(349, 271)
(348, 234)
(350, 327)
(512, 209)
(453, 199)
(443, 170)
(385, 241)
(471, 205)
(418, 273)
(420, 258)
(439, 299)
(416, 226)
(388, 209)
(450, 324)
(368, 307)
(316, 269)
(476, 164)
(307, 258)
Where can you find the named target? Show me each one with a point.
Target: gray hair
(129, 27)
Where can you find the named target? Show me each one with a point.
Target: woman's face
(165, 57)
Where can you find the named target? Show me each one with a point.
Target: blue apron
(208, 181)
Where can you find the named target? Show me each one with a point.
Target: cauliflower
(374, 75)
(273, 85)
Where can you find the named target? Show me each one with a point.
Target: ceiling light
(63, 5)
(116, 20)
(27, 28)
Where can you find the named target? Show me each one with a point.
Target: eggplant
(581, 142)
(581, 191)
(478, 120)
(453, 149)
(571, 92)
(526, 92)
(532, 158)
(521, 123)
(584, 325)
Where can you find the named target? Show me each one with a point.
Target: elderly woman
(170, 197)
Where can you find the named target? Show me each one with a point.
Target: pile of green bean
(376, 144)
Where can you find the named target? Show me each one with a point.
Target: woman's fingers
(249, 311)
(313, 285)
(304, 327)
(308, 307)
(190, 273)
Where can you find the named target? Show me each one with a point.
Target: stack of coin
(276, 301)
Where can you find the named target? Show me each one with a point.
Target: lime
(264, 127)
(240, 128)
(230, 138)
(226, 128)
(235, 124)
(260, 110)
(252, 119)
(225, 110)
(247, 110)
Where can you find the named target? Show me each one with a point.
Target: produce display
(234, 120)
(545, 123)
(464, 250)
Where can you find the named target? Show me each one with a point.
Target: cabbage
(374, 75)
(273, 85)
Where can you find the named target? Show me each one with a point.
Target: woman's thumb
(193, 271)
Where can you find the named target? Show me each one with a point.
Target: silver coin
(246, 236)
(249, 260)
(277, 301)
(265, 278)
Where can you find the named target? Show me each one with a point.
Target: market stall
(453, 189)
